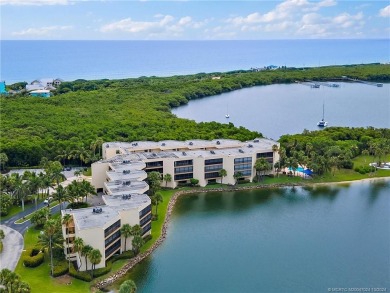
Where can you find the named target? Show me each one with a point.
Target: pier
(312, 84)
(362, 81)
(324, 83)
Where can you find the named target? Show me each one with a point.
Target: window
(184, 176)
(145, 220)
(112, 228)
(183, 170)
(114, 248)
(213, 168)
(146, 228)
(183, 163)
(154, 164)
(243, 160)
(242, 167)
(213, 161)
(211, 175)
(265, 155)
(145, 211)
(112, 238)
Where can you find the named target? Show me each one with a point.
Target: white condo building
(183, 160)
(121, 175)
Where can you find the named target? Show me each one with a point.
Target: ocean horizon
(115, 59)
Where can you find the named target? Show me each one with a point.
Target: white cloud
(385, 12)
(34, 2)
(163, 26)
(42, 31)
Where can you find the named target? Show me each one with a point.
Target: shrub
(194, 181)
(103, 271)
(61, 268)
(77, 205)
(83, 276)
(147, 238)
(33, 257)
(243, 181)
(126, 255)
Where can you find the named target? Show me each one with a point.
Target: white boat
(227, 112)
(322, 123)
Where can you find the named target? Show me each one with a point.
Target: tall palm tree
(95, 257)
(20, 188)
(60, 195)
(54, 170)
(222, 173)
(137, 243)
(66, 220)
(237, 175)
(126, 232)
(87, 189)
(86, 252)
(51, 238)
(167, 178)
(78, 245)
(157, 198)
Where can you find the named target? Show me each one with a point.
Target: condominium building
(183, 160)
(125, 201)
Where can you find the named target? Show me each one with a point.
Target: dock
(324, 83)
(363, 81)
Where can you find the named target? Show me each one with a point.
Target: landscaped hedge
(103, 271)
(147, 238)
(33, 257)
(126, 255)
(83, 276)
(60, 269)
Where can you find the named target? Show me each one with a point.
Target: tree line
(82, 112)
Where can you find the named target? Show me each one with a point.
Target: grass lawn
(17, 209)
(39, 277)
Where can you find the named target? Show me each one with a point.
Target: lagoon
(302, 239)
(280, 109)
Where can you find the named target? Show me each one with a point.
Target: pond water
(305, 239)
(280, 109)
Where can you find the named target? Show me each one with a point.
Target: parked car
(67, 168)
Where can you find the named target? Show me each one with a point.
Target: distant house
(2, 88)
(44, 84)
(216, 77)
(40, 93)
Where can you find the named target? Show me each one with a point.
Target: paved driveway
(12, 249)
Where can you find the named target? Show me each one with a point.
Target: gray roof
(125, 200)
(86, 218)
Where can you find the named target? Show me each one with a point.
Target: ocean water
(70, 60)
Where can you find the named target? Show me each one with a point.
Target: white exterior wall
(228, 165)
(95, 238)
(198, 170)
(168, 168)
(99, 170)
(110, 152)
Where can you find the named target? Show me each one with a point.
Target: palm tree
(222, 173)
(156, 199)
(136, 230)
(51, 238)
(86, 252)
(60, 195)
(167, 178)
(54, 171)
(237, 175)
(95, 257)
(78, 245)
(20, 188)
(12, 282)
(261, 165)
(3, 161)
(128, 286)
(66, 220)
(87, 189)
(137, 243)
(126, 232)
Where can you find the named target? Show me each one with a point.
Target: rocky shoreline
(111, 279)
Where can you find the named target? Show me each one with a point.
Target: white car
(48, 200)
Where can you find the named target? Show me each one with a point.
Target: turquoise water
(70, 60)
(275, 240)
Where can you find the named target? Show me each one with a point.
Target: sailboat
(322, 123)
(227, 112)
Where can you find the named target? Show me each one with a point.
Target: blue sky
(193, 20)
